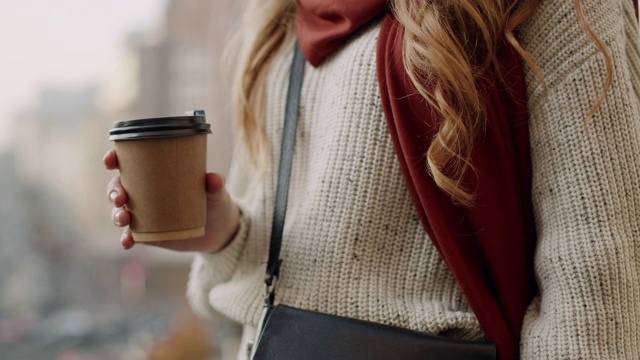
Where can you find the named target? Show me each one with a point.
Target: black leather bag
(287, 333)
(291, 333)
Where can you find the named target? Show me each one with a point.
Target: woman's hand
(223, 215)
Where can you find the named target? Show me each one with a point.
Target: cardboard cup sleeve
(165, 184)
(164, 178)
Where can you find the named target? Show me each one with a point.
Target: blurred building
(46, 146)
(59, 143)
(165, 72)
(179, 69)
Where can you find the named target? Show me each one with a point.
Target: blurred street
(67, 289)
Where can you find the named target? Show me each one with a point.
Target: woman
(414, 122)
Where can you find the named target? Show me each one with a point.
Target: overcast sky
(62, 43)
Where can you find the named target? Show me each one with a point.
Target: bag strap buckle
(271, 281)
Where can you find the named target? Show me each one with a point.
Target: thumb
(215, 186)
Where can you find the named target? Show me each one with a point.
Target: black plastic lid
(161, 127)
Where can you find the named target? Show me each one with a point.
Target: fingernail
(117, 217)
(113, 195)
(123, 237)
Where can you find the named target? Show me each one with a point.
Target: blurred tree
(188, 340)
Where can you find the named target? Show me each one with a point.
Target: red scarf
(490, 247)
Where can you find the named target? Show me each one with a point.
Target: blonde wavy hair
(440, 39)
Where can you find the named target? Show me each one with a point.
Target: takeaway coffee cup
(162, 168)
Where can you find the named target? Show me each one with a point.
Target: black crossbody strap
(286, 158)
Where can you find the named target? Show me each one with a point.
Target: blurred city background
(69, 69)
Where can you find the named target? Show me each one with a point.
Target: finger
(110, 160)
(126, 240)
(121, 217)
(115, 192)
(215, 186)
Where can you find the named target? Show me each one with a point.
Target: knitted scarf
(490, 246)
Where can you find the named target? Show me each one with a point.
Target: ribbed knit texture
(586, 185)
(353, 245)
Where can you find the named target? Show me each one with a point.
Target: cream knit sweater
(353, 245)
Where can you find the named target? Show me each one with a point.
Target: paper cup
(162, 169)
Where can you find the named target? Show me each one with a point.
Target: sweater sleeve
(208, 270)
(211, 269)
(586, 185)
